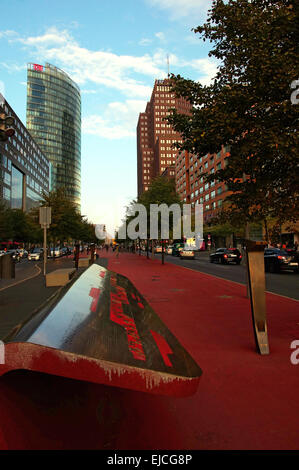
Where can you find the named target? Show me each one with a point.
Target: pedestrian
(117, 251)
(296, 246)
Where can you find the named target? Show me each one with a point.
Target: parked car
(169, 249)
(158, 249)
(190, 254)
(22, 252)
(226, 256)
(277, 260)
(15, 255)
(177, 247)
(36, 254)
(55, 252)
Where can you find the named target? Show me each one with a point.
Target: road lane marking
(235, 282)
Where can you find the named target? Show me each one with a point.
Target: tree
(248, 106)
(67, 223)
(161, 191)
(6, 228)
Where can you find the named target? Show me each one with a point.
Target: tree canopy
(161, 191)
(247, 108)
(67, 223)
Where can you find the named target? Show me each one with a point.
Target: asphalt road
(286, 283)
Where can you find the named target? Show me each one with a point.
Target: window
(16, 188)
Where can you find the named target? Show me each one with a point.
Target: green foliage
(248, 106)
(161, 191)
(67, 223)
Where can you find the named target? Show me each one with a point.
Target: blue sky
(114, 51)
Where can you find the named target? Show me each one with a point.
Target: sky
(114, 51)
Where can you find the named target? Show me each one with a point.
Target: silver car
(36, 254)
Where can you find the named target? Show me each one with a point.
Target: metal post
(162, 251)
(92, 253)
(247, 236)
(77, 249)
(45, 248)
(256, 278)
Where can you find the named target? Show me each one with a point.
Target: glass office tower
(54, 120)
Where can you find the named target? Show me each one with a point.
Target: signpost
(45, 222)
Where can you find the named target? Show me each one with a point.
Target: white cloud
(145, 42)
(182, 8)
(206, 69)
(160, 36)
(88, 92)
(99, 67)
(13, 68)
(119, 120)
(51, 37)
(2, 88)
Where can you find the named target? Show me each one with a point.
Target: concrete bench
(59, 277)
(101, 329)
(84, 262)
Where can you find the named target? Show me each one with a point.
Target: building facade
(24, 169)
(54, 120)
(155, 136)
(190, 184)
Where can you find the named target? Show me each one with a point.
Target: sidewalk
(20, 296)
(244, 400)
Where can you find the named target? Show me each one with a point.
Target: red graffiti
(102, 274)
(95, 294)
(118, 316)
(163, 346)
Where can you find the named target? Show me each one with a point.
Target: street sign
(45, 222)
(45, 216)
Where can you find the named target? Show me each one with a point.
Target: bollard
(256, 278)
(92, 253)
(77, 250)
(7, 267)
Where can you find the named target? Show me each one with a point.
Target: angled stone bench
(59, 277)
(100, 329)
(84, 262)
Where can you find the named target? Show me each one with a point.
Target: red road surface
(244, 400)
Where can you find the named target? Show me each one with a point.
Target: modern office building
(155, 136)
(54, 120)
(24, 169)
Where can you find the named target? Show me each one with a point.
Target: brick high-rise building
(190, 184)
(155, 136)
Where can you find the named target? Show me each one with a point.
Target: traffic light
(6, 130)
